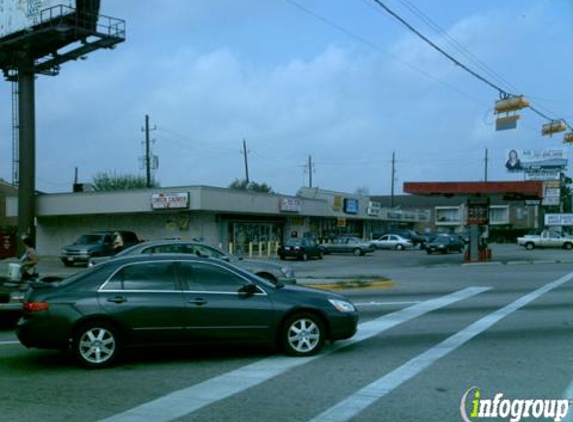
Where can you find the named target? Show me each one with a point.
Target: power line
(439, 49)
(381, 50)
(455, 44)
(503, 93)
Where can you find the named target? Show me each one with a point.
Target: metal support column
(27, 150)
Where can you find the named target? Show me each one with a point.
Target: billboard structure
(36, 38)
(537, 164)
(18, 16)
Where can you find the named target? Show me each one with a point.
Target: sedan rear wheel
(303, 335)
(400, 247)
(357, 252)
(96, 345)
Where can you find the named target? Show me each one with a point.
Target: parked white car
(392, 241)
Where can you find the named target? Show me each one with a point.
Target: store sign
(542, 174)
(169, 201)
(410, 216)
(559, 219)
(374, 209)
(337, 203)
(551, 193)
(290, 204)
(350, 206)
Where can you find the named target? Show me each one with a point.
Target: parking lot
(378, 263)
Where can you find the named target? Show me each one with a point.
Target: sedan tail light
(36, 306)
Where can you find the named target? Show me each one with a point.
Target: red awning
(509, 190)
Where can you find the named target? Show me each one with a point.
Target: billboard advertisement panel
(19, 15)
(533, 160)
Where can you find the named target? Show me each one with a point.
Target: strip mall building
(221, 216)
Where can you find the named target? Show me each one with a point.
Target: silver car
(271, 271)
(392, 241)
(352, 245)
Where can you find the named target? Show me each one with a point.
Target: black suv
(98, 243)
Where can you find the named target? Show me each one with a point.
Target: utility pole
(393, 179)
(147, 153)
(147, 158)
(245, 152)
(27, 148)
(486, 161)
(310, 168)
(310, 171)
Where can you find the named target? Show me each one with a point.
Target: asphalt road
(442, 328)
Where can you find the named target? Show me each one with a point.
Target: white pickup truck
(547, 239)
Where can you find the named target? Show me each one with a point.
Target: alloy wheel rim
(303, 335)
(97, 345)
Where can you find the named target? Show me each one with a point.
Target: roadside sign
(559, 219)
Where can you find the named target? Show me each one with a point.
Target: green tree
(242, 184)
(110, 181)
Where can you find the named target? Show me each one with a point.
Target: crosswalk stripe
(188, 400)
(365, 397)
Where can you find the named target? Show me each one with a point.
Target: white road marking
(8, 343)
(188, 400)
(359, 401)
(569, 395)
(385, 303)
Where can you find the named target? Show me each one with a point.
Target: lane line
(180, 403)
(365, 397)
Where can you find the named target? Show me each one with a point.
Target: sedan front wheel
(302, 335)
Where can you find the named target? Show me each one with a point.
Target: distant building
(507, 218)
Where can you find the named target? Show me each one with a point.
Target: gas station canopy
(508, 190)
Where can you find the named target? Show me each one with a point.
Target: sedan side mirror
(248, 290)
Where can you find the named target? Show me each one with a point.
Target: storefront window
(259, 234)
(330, 228)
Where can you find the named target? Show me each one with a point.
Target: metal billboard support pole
(27, 144)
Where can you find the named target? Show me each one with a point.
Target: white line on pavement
(8, 343)
(188, 400)
(569, 395)
(357, 402)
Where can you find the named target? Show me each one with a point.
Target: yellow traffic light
(555, 126)
(511, 104)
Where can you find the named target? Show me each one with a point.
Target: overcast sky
(338, 80)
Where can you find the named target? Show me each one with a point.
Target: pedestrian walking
(28, 261)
